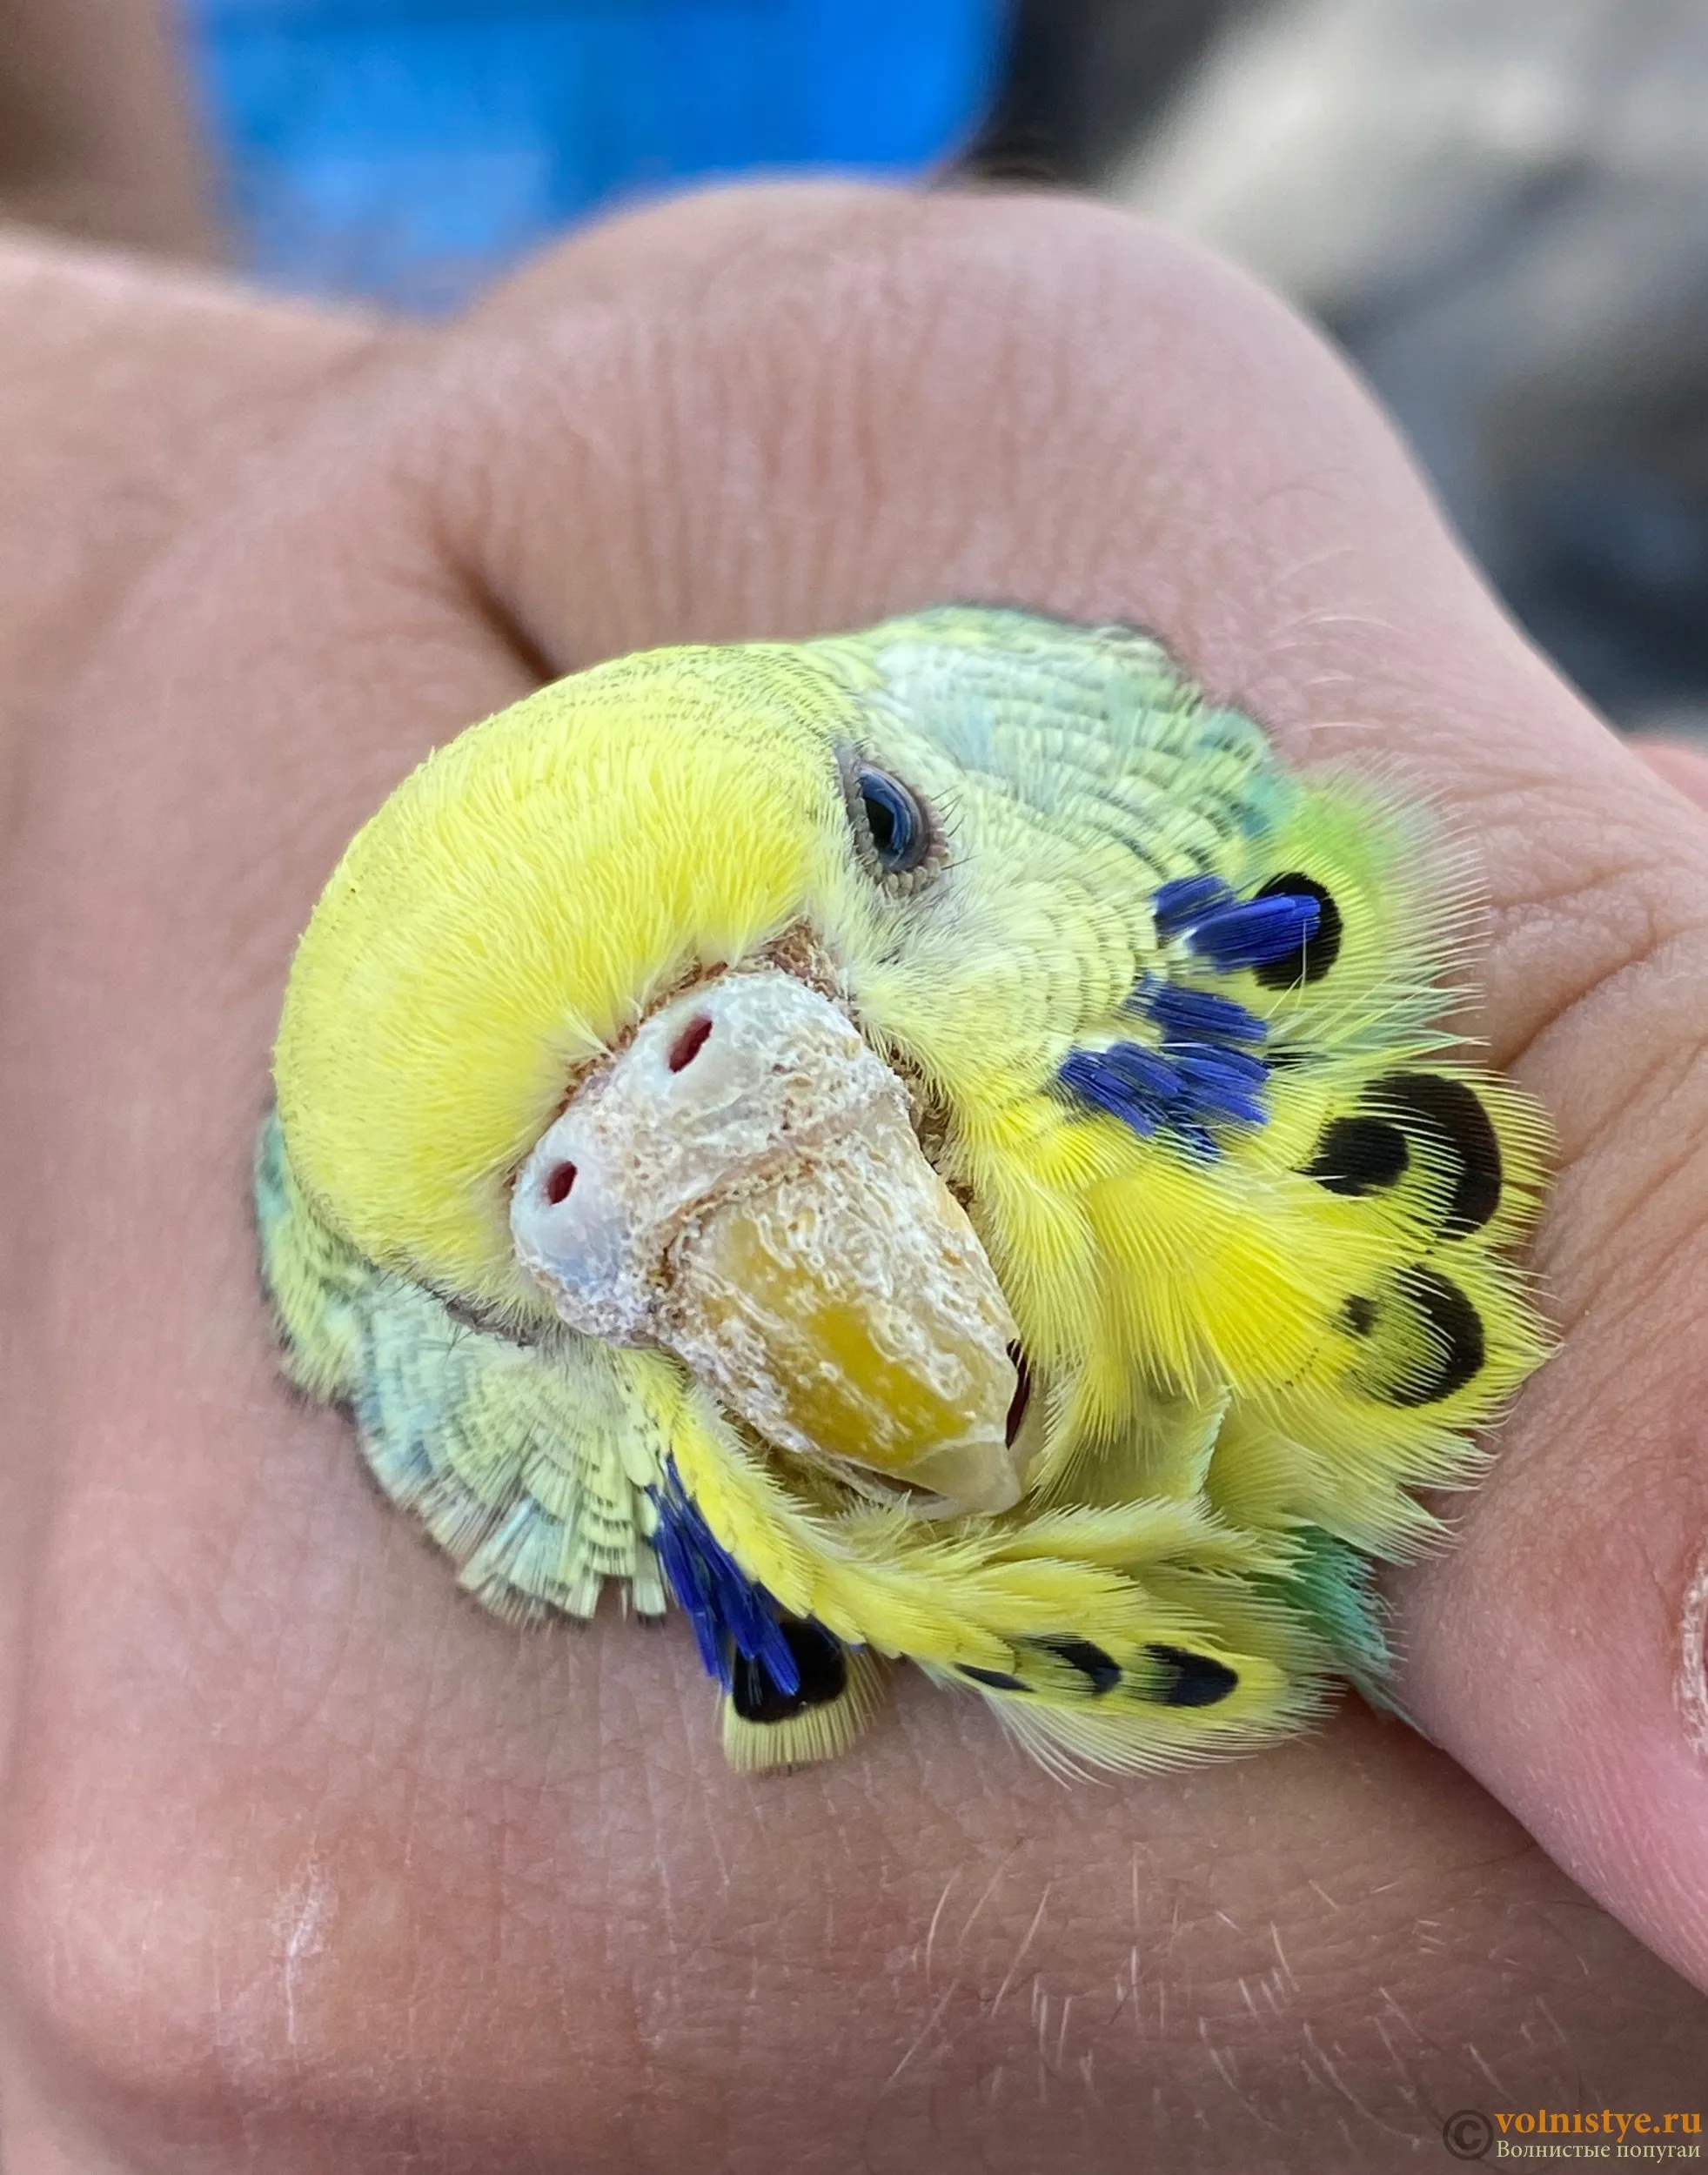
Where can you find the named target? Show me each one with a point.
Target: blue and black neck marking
(1272, 933)
(772, 1665)
(1206, 1071)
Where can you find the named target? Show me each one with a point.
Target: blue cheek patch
(1130, 1080)
(1179, 905)
(1228, 933)
(1221, 1085)
(1185, 1089)
(1259, 932)
(1205, 1072)
(731, 1613)
(1196, 1016)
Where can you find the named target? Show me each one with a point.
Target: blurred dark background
(1499, 207)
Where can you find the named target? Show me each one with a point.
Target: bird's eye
(893, 817)
(894, 828)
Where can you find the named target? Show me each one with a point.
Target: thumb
(1684, 766)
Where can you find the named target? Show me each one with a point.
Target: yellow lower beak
(741, 1185)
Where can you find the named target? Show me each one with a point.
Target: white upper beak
(741, 1184)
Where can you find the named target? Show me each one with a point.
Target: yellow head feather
(515, 906)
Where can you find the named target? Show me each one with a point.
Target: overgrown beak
(741, 1185)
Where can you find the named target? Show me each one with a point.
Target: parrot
(927, 1145)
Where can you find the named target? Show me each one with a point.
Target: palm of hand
(310, 1860)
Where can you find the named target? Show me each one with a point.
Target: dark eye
(899, 839)
(899, 836)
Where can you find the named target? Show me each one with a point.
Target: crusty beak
(741, 1185)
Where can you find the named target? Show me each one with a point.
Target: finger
(1683, 766)
(478, 1897)
(129, 394)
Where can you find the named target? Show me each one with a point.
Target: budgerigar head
(667, 1002)
(816, 1048)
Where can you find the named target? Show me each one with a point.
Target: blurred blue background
(407, 149)
(1498, 207)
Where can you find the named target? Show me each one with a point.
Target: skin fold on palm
(307, 1864)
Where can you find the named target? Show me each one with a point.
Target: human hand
(308, 1863)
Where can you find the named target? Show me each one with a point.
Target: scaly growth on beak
(924, 1145)
(741, 1185)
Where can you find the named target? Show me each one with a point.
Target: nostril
(690, 1043)
(558, 1179)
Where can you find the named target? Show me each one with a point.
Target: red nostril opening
(690, 1043)
(559, 1180)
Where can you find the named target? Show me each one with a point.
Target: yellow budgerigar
(930, 1145)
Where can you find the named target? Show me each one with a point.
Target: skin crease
(308, 1866)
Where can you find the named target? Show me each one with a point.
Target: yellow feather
(512, 911)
